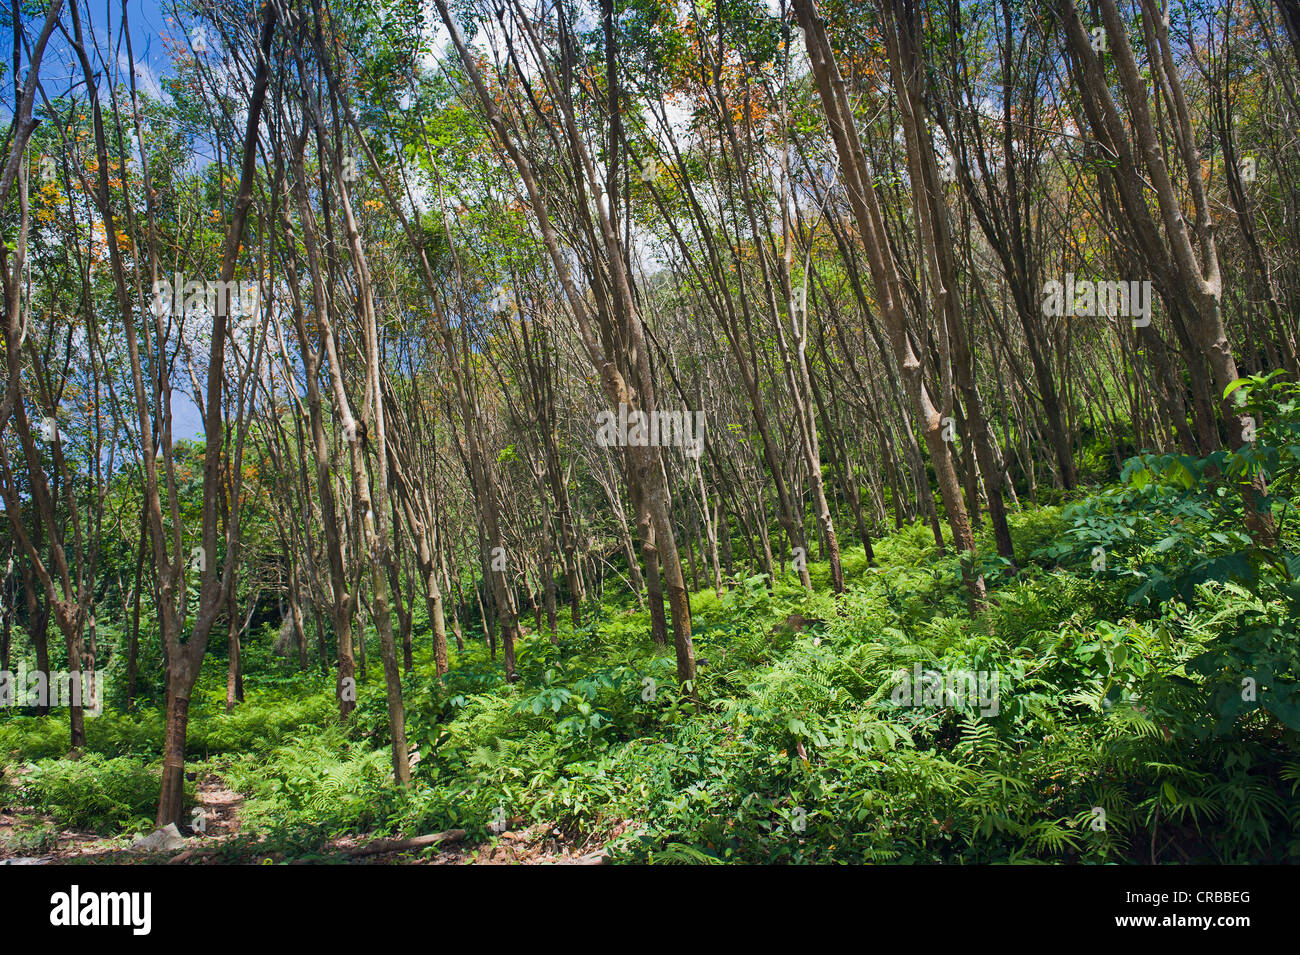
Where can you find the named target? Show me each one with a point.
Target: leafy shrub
(319, 780)
(96, 792)
(260, 722)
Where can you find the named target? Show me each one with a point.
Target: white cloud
(146, 80)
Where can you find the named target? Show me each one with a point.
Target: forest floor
(23, 832)
(810, 741)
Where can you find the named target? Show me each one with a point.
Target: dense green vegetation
(1119, 689)
(651, 431)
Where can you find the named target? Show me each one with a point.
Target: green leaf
(1233, 386)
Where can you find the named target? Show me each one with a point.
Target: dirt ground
(28, 838)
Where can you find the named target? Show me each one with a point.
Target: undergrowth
(1146, 706)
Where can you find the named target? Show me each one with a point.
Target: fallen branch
(599, 857)
(380, 846)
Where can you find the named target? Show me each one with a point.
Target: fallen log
(599, 857)
(380, 846)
